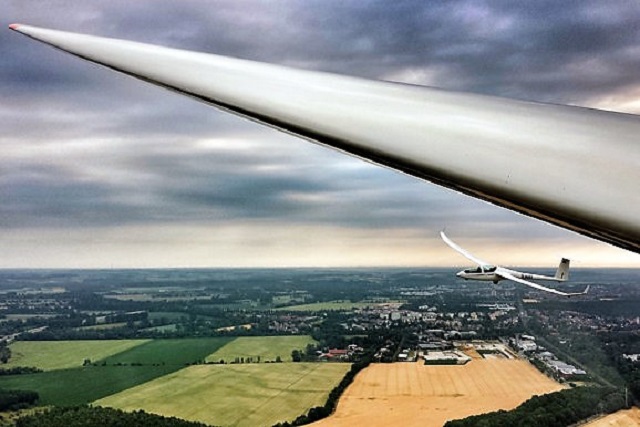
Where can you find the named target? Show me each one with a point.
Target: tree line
(82, 416)
(617, 345)
(20, 370)
(319, 412)
(12, 400)
(562, 408)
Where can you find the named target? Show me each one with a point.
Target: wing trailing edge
(573, 167)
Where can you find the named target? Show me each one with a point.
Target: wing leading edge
(465, 253)
(478, 145)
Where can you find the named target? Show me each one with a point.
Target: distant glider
(491, 273)
(574, 167)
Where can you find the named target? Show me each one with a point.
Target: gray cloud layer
(84, 147)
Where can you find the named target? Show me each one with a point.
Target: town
(345, 316)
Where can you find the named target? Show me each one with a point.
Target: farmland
(267, 348)
(624, 418)
(358, 312)
(83, 385)
(328, 306)
(239, 395)
(423, 395)
(50, 355)
(170, 352)
(102, 326)
(150, 359)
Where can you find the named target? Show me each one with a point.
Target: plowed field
(413, 394)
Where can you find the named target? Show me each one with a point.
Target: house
(335, 355)
(563, 369)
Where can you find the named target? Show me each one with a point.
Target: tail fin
(563, 270)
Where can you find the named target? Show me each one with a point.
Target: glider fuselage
(476, 274)
(492, 274)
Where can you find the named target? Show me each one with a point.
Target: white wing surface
(574, 167)
(463, 251)
(501, 272)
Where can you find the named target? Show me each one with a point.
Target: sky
(98, 170)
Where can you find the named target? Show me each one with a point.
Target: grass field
(83, 385)
(268, 348)
(50, 355)
(86, 384)
(172, 327)
(413, 394)
(170, 352)
(156, 297)
(235, 395)
(328, 306)
(171, 316)
(27, 316)
(101, 326)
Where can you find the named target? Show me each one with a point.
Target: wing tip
(15, 27)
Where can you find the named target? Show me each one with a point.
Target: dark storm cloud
(271, 186)
(219, 186)
(497, 47)
(547, 51)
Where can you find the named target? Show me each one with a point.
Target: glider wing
(464, 252)
(508, 276)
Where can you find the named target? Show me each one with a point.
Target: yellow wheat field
(626, 418)
(413, 394)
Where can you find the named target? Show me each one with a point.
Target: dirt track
(626, 418)
(412, 394)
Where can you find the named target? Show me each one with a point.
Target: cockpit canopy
(483, 269)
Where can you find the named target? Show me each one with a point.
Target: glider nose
(460, 274)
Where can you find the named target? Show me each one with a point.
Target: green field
(79, 386)
(267, 348)
(328, 306)
(170, 316)
(235, 395)
(102, 326)
(50, 355)
(170, 352)
(140, 297)
(86, 384)
(27, 316)
(172, 327)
